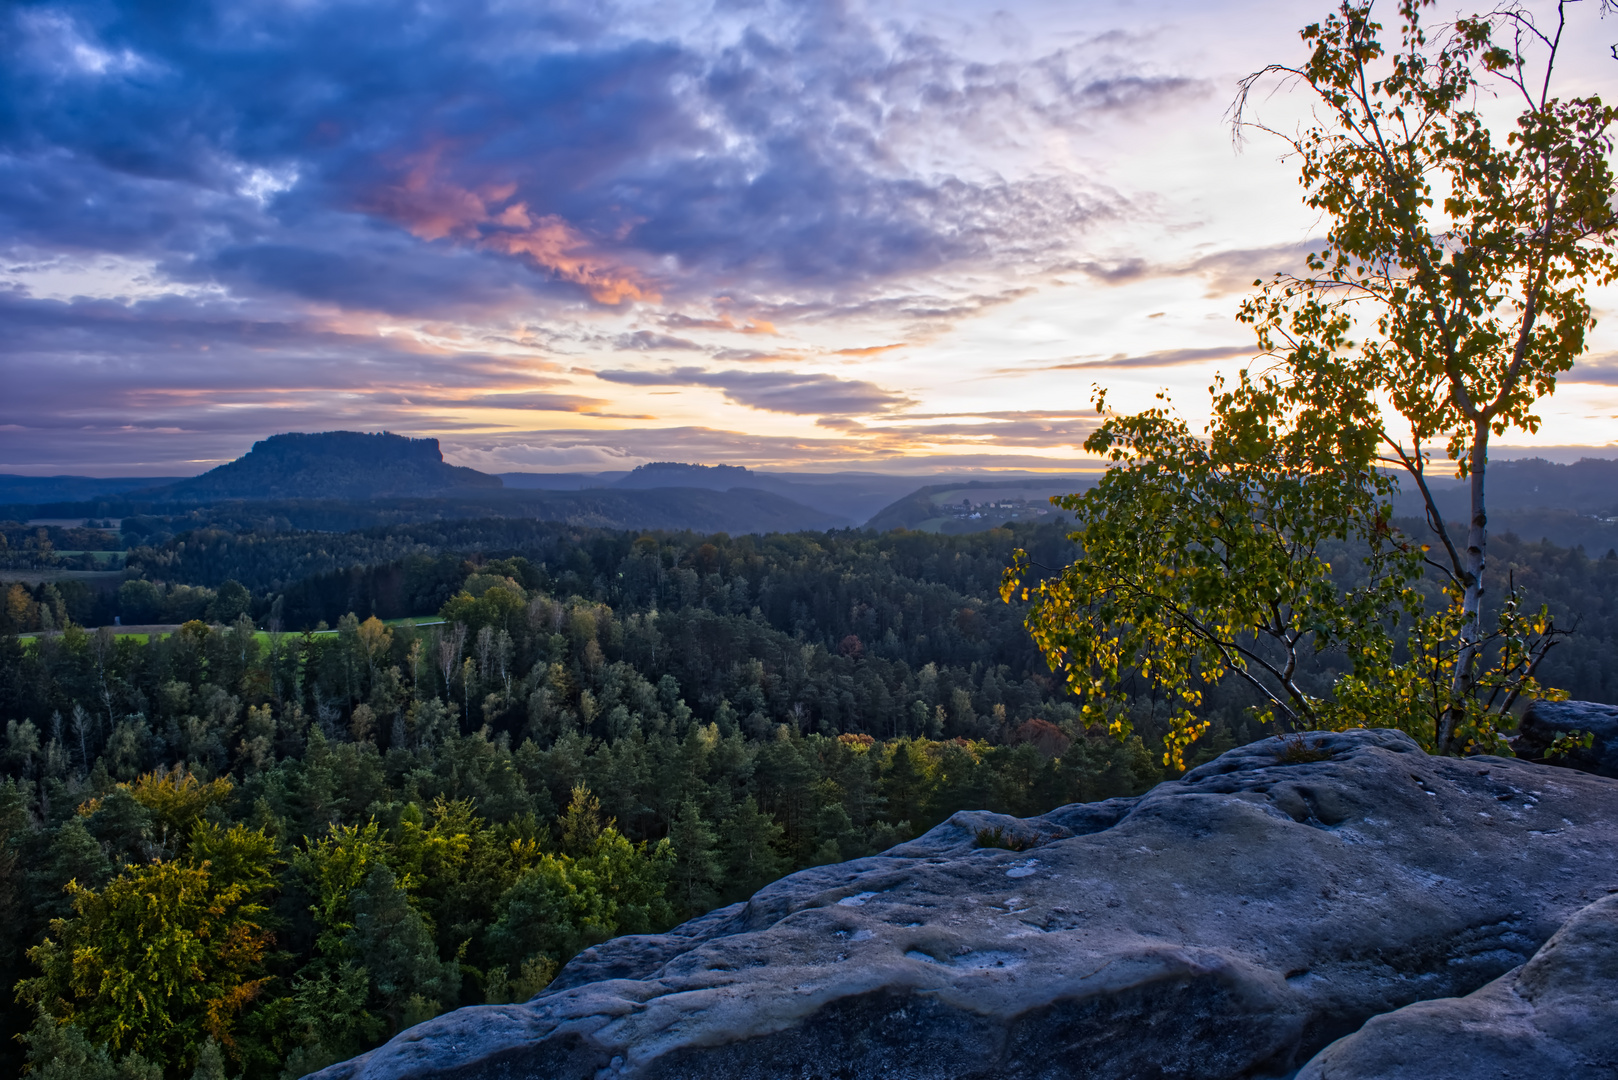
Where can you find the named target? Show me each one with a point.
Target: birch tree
(1448, 295)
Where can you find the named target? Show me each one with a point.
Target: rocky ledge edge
(1238, 922)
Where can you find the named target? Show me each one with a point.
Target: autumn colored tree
(166, 955)
(1447, 297)
(598, 886)
(22, 611)
(1470, 249)
(1203, 557)
(176, 801)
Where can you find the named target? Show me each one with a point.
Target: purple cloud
(298, 175)
(1161, 358)
(358, 153)
(802, 394)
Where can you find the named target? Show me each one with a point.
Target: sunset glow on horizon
(580, 237)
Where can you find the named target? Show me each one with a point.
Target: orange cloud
(561, 249)
(871, 350)
(434, 208)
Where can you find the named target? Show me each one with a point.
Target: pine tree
(210, 1062)
(58, 1051)
(581, 823)
(73, 855)
(696, 868)
(394, 943)
(751, 858)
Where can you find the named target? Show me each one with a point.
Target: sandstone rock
(1545, 721)
(1229, 924)
(1556, 1016)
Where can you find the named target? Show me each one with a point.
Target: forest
(374, 776)
(340, 831)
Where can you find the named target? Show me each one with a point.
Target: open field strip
(146, 631)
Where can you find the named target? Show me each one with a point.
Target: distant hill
(662, 474)
(850, 497)
(54, 489)
(1588, 487)
(975, 505)
(738, 510)
(1560, 527)
(558, 481)
(330, 465)
(1570, 505)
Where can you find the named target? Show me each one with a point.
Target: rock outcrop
(1229, 924)
(1556, 1016)
(1547, 721)
(331, 465)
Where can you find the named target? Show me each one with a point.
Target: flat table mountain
(331, 465)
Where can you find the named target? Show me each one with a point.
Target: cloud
(926, 310)
(1120, 272)
(785, 148)
(746, 355)
(1228, 272)
(1020, 428)
(108, 386)
(603, 451)
(58, 44)
(535, 402)
(1234, 271)
(968, 445)
(806, 394)
(678, 321)
(1600, 370)
(869, 350)
(1162, 358)
(433, 207)
(644, 340)
(258, 217)
(173, 386)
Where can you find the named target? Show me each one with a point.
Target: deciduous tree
(166, 955)
(1456, 260)
(1446, 298)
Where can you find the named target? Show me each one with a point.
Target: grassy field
(145, 632)
(40, 577)
(409, 620)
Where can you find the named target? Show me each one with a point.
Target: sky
(897, 236)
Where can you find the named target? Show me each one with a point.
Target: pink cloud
(432, 207)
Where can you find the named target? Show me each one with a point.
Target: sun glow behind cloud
(897, 236)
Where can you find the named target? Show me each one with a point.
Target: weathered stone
(1556, 1016)
(1546, 721)
(1229, 924)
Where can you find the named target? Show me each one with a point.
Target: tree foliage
(1448, 295)
(165, 955)
(1202, 558)
(662, 705)
(1470, 250)
(625, 732)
